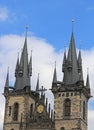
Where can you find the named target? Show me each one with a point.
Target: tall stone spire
(37, 86)
(17, 66)
(64, 62)
(87, 81)
(6, 87)
(7, 79)
(71, 74)
(23, 69)
(80, 71)
(55, 74)
(30, 65)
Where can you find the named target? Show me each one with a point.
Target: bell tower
(26, 109)
(71, 95)
(18, 98)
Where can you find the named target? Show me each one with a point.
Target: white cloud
(91, 120)
(88, 62)
(44, 56)
(3, 13)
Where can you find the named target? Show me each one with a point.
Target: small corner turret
(6, 88)
(88, 85)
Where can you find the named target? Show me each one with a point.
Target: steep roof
(55, 75)
(23, 69)
(71, 73)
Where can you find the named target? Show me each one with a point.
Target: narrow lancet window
(15, 111)
(67, 107)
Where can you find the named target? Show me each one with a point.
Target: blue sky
(51, 20)
(50, 27)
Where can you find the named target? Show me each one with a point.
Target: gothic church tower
(26, 109)
(71, 95)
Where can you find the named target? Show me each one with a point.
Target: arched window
(84, 110)
(62, 128)
(31, 110)
(15, 111)
(67, 107)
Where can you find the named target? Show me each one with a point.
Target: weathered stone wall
(76, 118)
(24, 102)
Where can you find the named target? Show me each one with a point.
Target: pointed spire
(80, 71)
(72, 50)
(79, 59)
(55, 74)
(17, 66)
(24, 71)
(79, 56)
(30, 65)
(24, 55)
(64, 62)
(37, 86)
(87, 81)
(71, 74)
(7, 79)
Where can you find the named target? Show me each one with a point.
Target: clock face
(40, 108)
